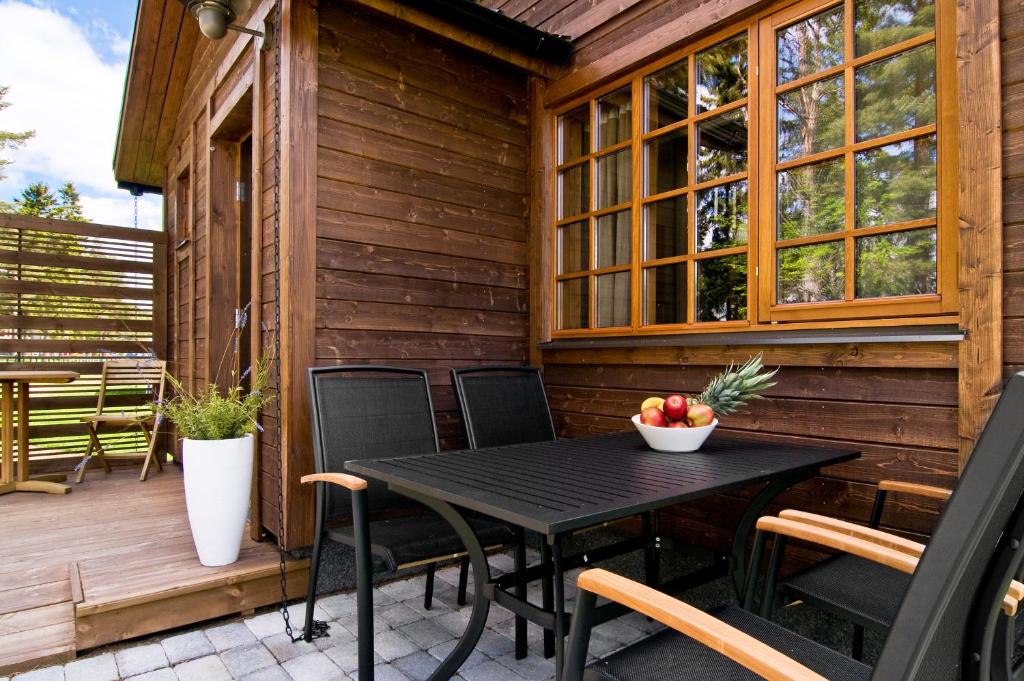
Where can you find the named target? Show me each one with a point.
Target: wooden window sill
(939, 333)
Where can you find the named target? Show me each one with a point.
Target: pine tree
(10, 140)
(37, 199)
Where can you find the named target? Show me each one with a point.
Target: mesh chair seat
(413, 539)
(671, 655)
(828, 585)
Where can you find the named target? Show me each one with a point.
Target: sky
(65, 62)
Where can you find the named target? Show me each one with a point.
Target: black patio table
(559, 486)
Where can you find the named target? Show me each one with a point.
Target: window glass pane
(812, 274)
(665, 228)
(614, 235)
(573, 190)
(810, 119)
(722, 145)
(722, 73)
(896, 183)
(574, 134)
(665, 294)
(613, 299)
(722, 289)
(811, 199)
(722, 216)
(896, 94)
(667, 95)
(897, 264)
(880, 23)
(573, 305)
(614, 118)
(572, 247)
(614, 179)
(809, 46)
(666, 162)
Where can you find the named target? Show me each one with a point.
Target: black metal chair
(952, 622)
(373, 412)
(836, 584)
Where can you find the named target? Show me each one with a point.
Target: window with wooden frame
(797, 167)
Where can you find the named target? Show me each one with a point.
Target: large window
(797, 168)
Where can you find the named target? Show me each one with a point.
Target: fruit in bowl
(677, 423)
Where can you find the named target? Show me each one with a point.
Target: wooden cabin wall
(1012, 42)
(422, 199)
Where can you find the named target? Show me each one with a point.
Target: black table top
(563, 485)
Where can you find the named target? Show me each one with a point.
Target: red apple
(675, 407)
(700, 415)
(678, 424)
(652, 416)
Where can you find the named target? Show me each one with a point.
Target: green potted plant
(217, 427)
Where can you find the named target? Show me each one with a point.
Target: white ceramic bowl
(674, 439)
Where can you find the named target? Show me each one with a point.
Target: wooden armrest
(865, 549)
(348, 481)
(738, 646)
(940, 493)
(886, 539)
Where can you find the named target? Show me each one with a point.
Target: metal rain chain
(319, 628)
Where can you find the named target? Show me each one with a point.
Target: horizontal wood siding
(1012, 37)
(421, 204)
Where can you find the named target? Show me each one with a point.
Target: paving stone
(497, 615)
(313, 667)
(165, 674)
(620, 631)
(98, 668)
(209, 668)
(455, 622)
(404, 589)
(229, 636)
(54, 673)
(391, 645)
(140, 659)
(396, 614)
(338, 605)
(266, 624)
(442, 604)
(532, 667)
(503, 562)
(490, 671)
(283, 648)
(426, 633)
(418, 666)
(387, 672)
(274, 673)
(185, 647)
(337, 634)
(439, 652)
(494, 644)
(247, 659)
(346, 656)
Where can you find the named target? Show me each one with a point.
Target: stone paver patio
(408, 644)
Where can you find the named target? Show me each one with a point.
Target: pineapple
(731, 389)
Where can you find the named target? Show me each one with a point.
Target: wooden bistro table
(560, 486)
(23, 483)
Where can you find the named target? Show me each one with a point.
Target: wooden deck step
(37, 618)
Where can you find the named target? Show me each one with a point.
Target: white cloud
(61, 87)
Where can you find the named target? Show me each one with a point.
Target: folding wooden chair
(125, 377)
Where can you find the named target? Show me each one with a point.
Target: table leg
(7, 437)
(737, 561)
(547, 597)
(520, 558)
(481, 579)
(23, 415)
(560, 632)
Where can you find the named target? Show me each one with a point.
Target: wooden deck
(111, 561)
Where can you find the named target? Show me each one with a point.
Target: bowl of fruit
(681, 424)
(674, 424)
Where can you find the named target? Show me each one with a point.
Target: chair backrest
(976, 549)
(503, 405)
(369, 412)
(131, 377)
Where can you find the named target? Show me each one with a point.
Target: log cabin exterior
(421, 160)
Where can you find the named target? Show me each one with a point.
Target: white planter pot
(218, 479)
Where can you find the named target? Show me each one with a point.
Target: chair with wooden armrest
(118, 412)
(835, 584)
(951, 623)
(373, 412)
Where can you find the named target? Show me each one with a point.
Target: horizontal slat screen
(71, 296)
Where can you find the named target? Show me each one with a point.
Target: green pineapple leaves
(731, 389)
